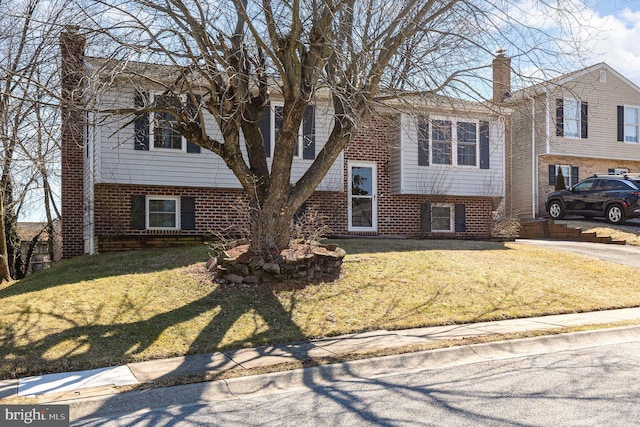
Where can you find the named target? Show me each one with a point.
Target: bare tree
(28, 121)
(231, 57)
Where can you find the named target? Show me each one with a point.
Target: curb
(236, 388)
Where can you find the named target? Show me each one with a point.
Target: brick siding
(72, 143)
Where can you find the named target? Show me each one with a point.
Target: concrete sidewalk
(105, 381)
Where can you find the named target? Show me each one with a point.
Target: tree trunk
(5, 275)
(270, 226)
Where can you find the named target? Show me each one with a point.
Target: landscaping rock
(300, 263)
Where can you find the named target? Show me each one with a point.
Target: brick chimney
(72, 142)
(501, 77)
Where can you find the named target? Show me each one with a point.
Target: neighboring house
(581, 123)
(435, 171)
(33, 236)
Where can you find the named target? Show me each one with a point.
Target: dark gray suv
(615, 197)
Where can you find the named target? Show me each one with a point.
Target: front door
(362, 197)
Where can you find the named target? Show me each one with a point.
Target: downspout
(91, 134)
(534, 166)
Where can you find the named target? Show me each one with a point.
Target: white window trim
(567, 177)
(454, 141)
(273, 132)
(451, 217)
(177, 212)
(624, 124)
(152, 145)
(577, 119)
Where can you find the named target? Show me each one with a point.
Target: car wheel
(556, 210)
(615, 214)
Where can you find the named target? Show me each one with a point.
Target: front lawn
(111, 309)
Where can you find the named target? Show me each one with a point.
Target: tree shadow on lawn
(90, 346)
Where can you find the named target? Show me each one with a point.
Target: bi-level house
(581, 123)
(434, 170)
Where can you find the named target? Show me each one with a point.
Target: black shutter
(423, 141)
(138, 215)
(265, 129)
(620, 123)
(194, 114)
(559, 117)
(461, 215)
(141, 122)
(575, 177)
(187, 213)
(192, 148)
(425, 217)
(552, 174)
(584, 127)
(484, 145)
(309, 133)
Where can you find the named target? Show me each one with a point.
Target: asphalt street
(596, 385)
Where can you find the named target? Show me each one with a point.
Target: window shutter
(461, 215)
(484, 145)
(574, 175)
(559, 117)
(620, 123)
(426, 217)
(192, 148)
(141, 122)
(188, 213)
(423, 142)
(194, 114)
(584, 127)
(309, 133)
(265, 129)
(552, 174)
(138, 214)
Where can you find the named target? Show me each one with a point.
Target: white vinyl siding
(451, 179)
(120, 163)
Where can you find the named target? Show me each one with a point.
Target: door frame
(374, 196)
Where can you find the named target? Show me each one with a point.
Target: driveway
(621, 254)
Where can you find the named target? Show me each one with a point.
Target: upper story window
(270, 125)
(158, 130)
(467, 143)
(571, 118)
(164, 125)
(453, 142)
(441, 142)
(629, 124)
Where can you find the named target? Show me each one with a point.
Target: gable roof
(556, 82)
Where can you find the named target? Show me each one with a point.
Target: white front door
(363, 215)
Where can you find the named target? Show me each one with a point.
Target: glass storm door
(362, 197)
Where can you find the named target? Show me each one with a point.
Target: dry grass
(117, 308)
